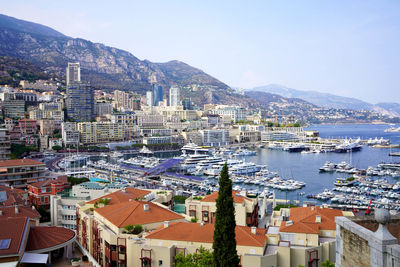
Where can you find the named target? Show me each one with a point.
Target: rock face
(108, 67)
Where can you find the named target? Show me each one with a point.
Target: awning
(9, 264)
(34, 258)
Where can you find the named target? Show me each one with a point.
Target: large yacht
(192, 148)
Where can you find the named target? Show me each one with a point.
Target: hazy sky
(349, 48)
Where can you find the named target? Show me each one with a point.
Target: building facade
(174, 96)
(80, 102)
(20, 172)
(73, 73)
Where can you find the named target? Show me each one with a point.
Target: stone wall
(355, 250)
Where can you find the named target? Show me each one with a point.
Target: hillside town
(98, 178)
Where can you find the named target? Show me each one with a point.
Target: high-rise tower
(73, 73)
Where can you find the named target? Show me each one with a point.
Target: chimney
(16, 210)
(166, 224)
(202, 223)
(254, 230)
(146, 207)
(312, 207)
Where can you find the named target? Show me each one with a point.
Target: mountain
(108, 67)
(276, 105)
(394, 108)
(320, 99)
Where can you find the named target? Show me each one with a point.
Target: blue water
(305, 167)
(97, 180)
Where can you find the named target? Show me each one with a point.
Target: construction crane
(368, 211)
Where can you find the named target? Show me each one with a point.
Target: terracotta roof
(48, 182)
(14, 229)
(194, 232)
(19, 162)
(23, 211)
(304, 220)
(237, 198)
(42, 237)
(14, 196)
(123, 196)
(132, 212)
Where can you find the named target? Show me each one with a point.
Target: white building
(235, 113)
(174, 96)
(73, 73)
(70, 135)
(215, 137)
(149, 98)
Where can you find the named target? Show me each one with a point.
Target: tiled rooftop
(195, 232)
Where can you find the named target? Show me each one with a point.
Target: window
(5, 243)
(160, 263)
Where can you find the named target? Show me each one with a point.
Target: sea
(305, 167)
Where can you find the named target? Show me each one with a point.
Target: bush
(180, 199)
(74, 181)
(130, 229)
(283, 206)
(197, 198)
(193, 220)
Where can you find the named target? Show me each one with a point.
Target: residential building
(101, 132)
(69, 133)
(151, 140)
(20, 172)
(43, 85)
(174, 96)
(121, 99)
(101, 225)
(234, 113)
(29, 98)
(145, 120)
(47, 127)
(102, 109)
(186, 237)
(55, 142)
(14, 108)
(73, 73)
(204, 208)
(187, 104)
(40, 192)
(63, 205)
(5, 144)
(80, 102)
(215, 137)
(303, 235)
(157, 94)
(149, 98)
(27, 126)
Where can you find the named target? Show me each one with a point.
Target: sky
(345, 47)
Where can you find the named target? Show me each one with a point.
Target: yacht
(328, 167)
(348, 146)
(392, 130)
(190, 162)
(192, 148)
(244, 168)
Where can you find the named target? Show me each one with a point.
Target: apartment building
(102, 226)
(63, 205)
(215, 137)
(21, 172)
(101, 132)
(303, 235)
(47, 127)
(40, 192)
(204, 208)
(5, 145)
(14, 108)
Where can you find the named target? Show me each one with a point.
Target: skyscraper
(80, 96)
(80, 102)
(174, 96)
(149, 98)
(157, 94)
(73, 73)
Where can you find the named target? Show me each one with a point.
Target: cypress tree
(224, 245)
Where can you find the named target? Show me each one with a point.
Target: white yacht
(192, 148)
